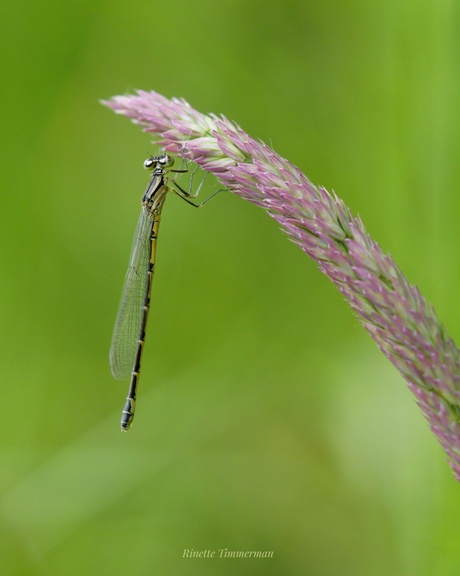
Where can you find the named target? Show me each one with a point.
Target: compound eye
(149, 164)
(166, 161)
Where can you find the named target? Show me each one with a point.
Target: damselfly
(130, 325)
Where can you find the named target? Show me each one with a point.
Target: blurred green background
(267, 419)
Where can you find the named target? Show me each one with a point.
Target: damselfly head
(164, 161)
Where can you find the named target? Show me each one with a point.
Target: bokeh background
(267, 419)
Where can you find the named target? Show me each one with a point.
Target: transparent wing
(128, 323)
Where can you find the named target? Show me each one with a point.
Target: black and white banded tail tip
(127, 416)
(131, 322)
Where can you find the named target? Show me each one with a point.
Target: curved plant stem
(396, 315)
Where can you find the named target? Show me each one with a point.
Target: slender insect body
(130, 326)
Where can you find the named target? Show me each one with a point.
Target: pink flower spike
(396, 315)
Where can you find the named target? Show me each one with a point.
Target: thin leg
(186, 196)
(190, 194)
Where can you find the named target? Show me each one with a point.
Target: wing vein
(129, 317)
